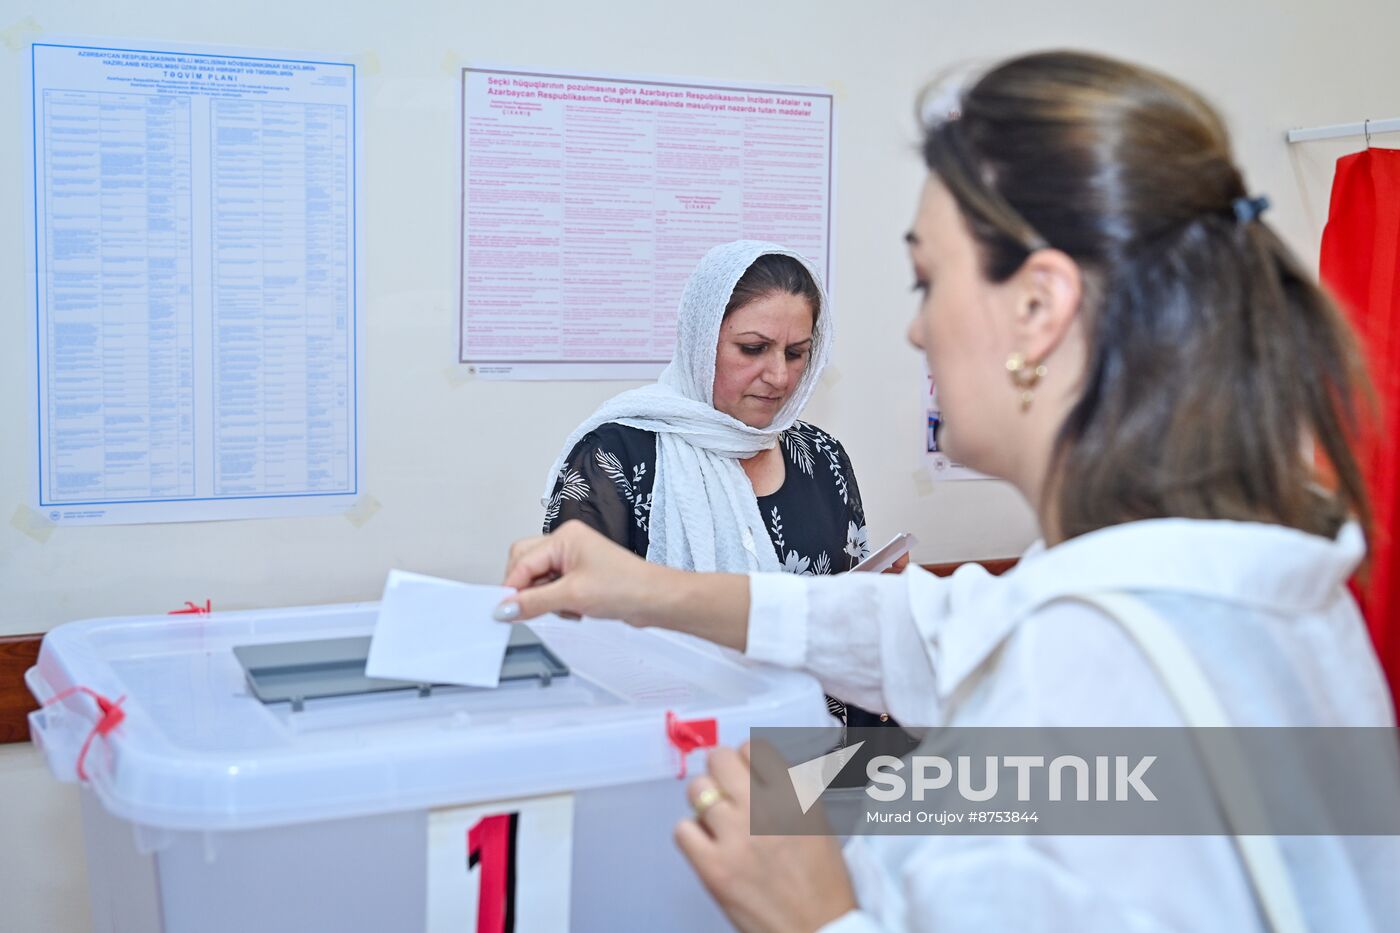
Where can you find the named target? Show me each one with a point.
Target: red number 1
(491, 844)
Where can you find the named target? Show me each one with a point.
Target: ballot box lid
(193, 748)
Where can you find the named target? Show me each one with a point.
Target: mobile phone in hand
(884, 558)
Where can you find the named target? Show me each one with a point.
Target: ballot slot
(294, 672)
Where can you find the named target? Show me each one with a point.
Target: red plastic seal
(112, 716)
(689, 734)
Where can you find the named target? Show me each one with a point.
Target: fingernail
(506, 612)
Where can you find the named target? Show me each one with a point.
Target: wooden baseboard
(995, 567)
(18, 653)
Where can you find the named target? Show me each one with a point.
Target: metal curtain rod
(1363, 128)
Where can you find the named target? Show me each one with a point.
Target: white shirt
(1264, 610)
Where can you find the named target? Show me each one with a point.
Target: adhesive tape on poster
(18, 35)
(459, 374)
(363, 511)
(32, 523)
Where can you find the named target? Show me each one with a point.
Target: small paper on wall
(940, 467)
(499, 867)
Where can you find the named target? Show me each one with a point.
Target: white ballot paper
(438, 632)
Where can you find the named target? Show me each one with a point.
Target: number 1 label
(501, 867)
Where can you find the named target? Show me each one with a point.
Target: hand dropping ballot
(438, 631)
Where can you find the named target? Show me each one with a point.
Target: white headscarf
(704, 514)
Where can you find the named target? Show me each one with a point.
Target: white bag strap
(1201, 708)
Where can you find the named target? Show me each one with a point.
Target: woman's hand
(765, 884)
(899, 566)
(575, 571)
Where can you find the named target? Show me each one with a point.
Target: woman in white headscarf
(708, 468)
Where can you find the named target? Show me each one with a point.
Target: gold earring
(1024, 377)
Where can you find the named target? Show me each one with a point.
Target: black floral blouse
(815, 519)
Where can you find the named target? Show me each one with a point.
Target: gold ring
(706, 799)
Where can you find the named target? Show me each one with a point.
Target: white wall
(455, 464)
(43, 879)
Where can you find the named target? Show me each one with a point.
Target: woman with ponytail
(1116, 331)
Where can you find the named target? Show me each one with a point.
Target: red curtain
(1361, 265)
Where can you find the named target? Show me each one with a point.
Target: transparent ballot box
(252, 778)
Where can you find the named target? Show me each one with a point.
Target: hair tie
(1248, 209)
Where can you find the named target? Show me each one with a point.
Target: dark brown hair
(774, 273)
(1214, 362)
